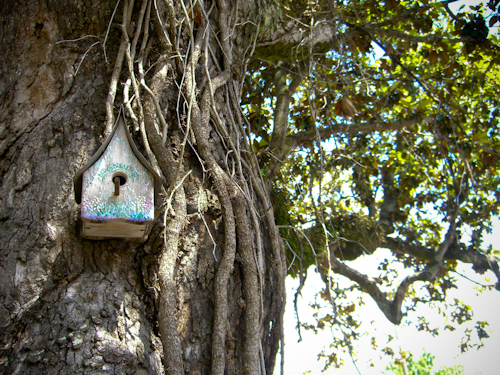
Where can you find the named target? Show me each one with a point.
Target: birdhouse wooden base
(114, 229)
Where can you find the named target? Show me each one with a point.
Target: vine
(194, 50)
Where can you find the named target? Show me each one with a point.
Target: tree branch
(320, 33)
(366, 127)
(480, 262)
(369, 286)
(401, 16)
(281, 111)
(392, 309)
(324, 33)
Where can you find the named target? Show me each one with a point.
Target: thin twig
(115, 76)
(301, 232)
(138, 29)
(83, 57)
(109, 27)
(77, 39)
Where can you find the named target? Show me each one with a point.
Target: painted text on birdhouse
(117, 189)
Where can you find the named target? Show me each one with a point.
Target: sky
(302, 357)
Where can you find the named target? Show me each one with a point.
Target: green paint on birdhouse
(117, 189)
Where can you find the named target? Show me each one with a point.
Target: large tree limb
(480, 262)
(300, 42)
(392, 309)
(320, 33)
(324, 33)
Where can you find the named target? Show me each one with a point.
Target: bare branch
(392, 309)
(138, 29)
(368, 286)
(115, 76)
(480, 262)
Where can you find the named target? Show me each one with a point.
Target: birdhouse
(117, 189)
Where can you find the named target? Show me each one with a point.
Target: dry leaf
(493, 20)
(344, 107)
(432, 56)
(195, 14)
(443, 56)
(384, 65)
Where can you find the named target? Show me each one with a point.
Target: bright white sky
(302, 357)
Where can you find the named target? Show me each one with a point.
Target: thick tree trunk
(204, 294)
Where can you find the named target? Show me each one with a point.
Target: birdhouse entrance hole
(119, 179)
(122, 178)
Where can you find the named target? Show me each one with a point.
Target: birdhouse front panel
(118, 191)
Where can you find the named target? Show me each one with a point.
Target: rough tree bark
(205, 293)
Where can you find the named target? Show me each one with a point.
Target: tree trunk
(205, 293)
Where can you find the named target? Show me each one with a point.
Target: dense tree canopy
(376, 124)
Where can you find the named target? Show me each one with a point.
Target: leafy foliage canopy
(376, 125)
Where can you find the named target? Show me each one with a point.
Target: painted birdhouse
(117, 189)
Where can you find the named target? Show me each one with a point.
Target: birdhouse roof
(77, 180)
